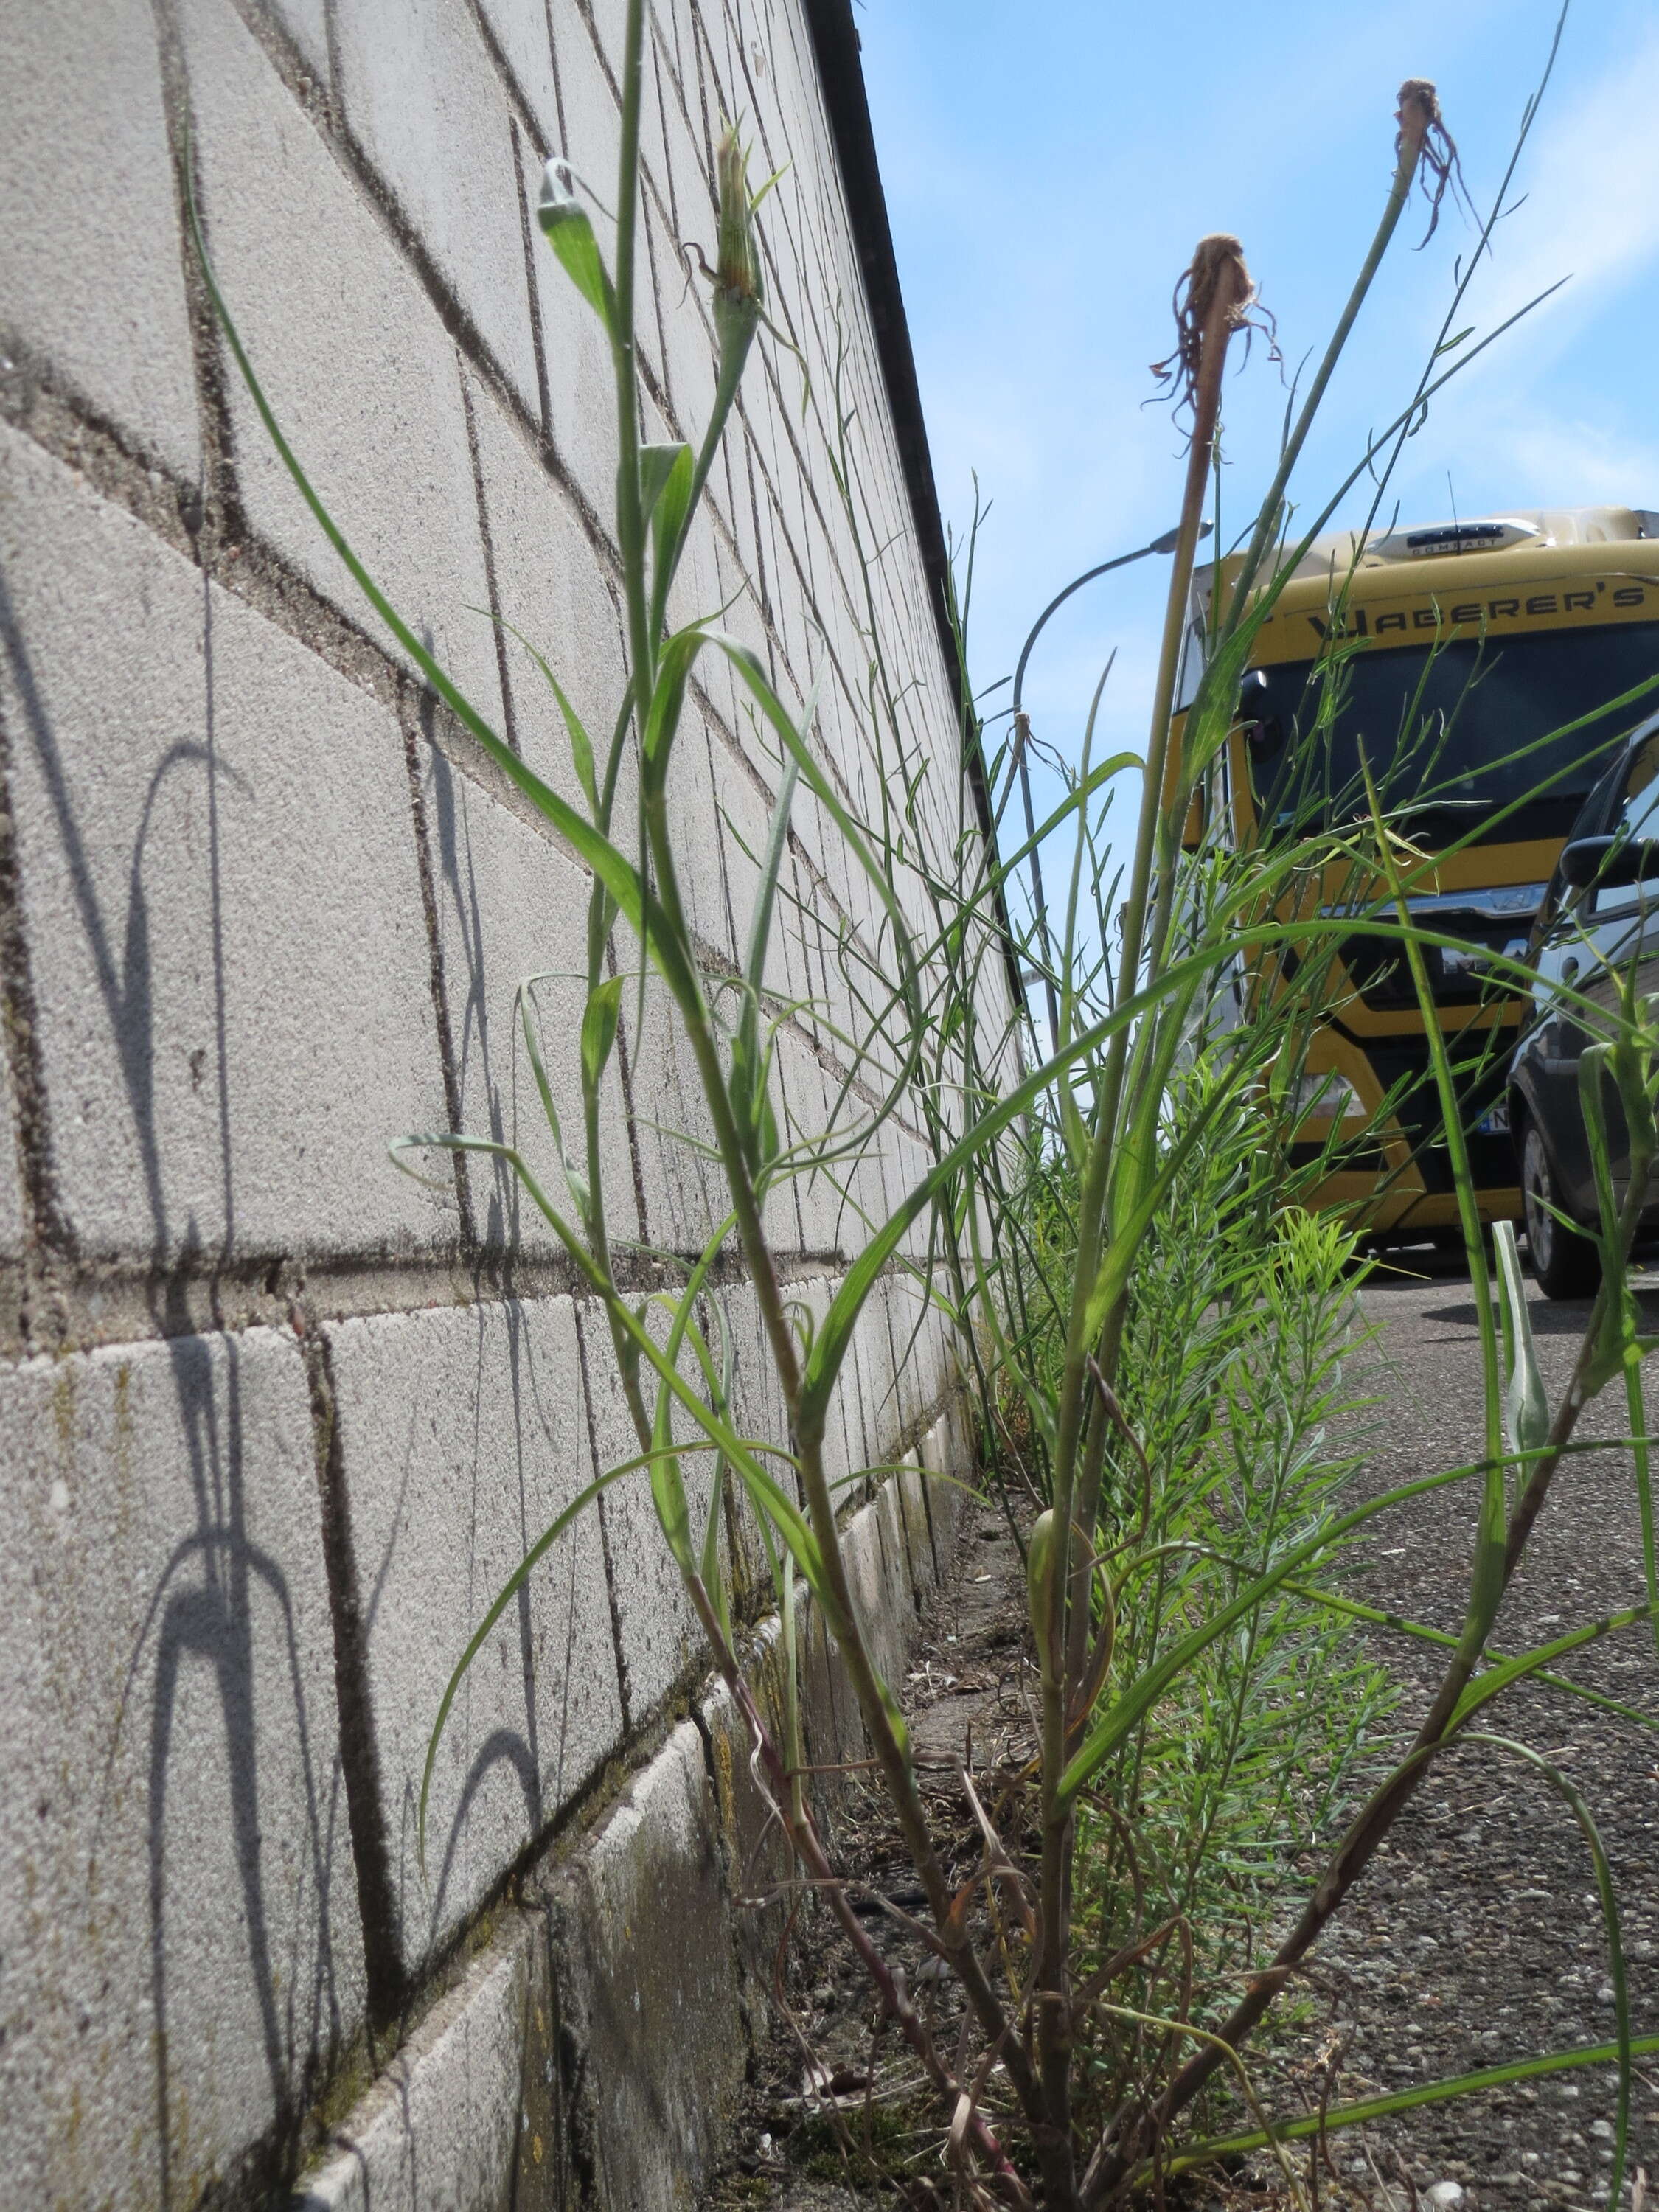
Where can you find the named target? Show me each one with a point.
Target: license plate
(1494, 1122)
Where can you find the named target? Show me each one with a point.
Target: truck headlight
(1328, 1097)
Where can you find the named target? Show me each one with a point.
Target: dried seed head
(1217, 278)
(1423, 131)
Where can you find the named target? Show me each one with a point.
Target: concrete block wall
(275, 1421)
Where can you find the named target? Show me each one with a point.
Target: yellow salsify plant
(1145, 1096)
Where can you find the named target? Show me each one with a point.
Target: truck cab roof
(1517, 533)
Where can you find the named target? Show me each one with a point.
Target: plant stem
(1226, 303)
(1414, 123)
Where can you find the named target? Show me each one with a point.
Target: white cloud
(1563, 462)
(1591, 175)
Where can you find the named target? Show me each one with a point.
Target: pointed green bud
(568, 230)
(1526, 1407)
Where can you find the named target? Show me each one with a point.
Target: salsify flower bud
(738, 292)
(737, 265)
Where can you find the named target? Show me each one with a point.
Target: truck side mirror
(1610, 862)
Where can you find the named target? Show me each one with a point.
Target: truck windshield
(1459, 735)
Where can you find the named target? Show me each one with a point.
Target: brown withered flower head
(1439, 169)
(1217, 267)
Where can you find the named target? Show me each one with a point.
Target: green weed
(1151, 1325)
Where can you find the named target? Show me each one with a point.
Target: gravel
(1476, 1935)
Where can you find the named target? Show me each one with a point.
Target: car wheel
(1566, 1266)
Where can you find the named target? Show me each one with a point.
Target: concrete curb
(594, 2051)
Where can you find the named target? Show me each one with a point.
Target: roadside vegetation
(1150, 1324)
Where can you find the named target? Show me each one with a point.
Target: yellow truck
(1453, 654)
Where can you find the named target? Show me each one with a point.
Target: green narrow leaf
(514, 1583)
(670, 504)
(529, 1022)
(1491, 1528)
(1355, 1610)
(668, 1486)
(1614, 1315)
(750, 1102)
(599, 1019)
(567, 229)
(657, 464)
(721, 1392)
(1498, 1677)
(777, 843)
(1636, 1406)
(1365, 2109)
(581, 747)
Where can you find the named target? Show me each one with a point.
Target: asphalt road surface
(1476, 1935)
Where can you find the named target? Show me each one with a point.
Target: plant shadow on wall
(1147, 1315)
(161, 1690)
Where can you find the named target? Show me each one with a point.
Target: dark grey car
(1600, 915)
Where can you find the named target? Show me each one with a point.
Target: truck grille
(1479, 1064)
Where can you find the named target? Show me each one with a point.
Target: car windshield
(1460, 733)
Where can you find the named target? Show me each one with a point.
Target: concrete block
(228, 1044)
(462, 1437)
(86, 136)
(182, 1960)
(903, 1562)
(744, 821)
(679, 165)
(907, 1318)
(686, 1193)
(467, 2117)
(731, 702)
(946, 1461)
(872, 1349)
(357, 366)
(648, 1986)
(695, 832)
(305, 21)
(521, 30)
(555, 589)
(732, 1320)
(909, 1487)
(698, 594)
(425, 102)
(658, 1629)
(759, 1416)
(798, 1102)
(512, 905)
(11, 1186)
(876, 1571)
(834, 1730)
(581, 379)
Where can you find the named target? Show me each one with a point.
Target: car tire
(1564, 1264)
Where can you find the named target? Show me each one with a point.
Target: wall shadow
(221, 1605)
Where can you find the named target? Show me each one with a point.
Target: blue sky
(1049, 169)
